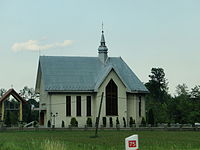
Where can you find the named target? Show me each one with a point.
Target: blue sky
(145, 33)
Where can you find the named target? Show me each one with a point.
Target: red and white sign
(131, 143)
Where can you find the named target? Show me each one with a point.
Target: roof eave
(138, 92)
(71, 91)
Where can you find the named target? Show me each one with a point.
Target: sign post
(131, 143)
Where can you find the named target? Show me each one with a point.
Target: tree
(150, 117)
(157, 84)
(182, 90)
(2, 91)
(195, 92)
(32, 102)
(157, 99)
(180, 107)
(28, 93)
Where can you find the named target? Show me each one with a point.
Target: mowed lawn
(107, 140)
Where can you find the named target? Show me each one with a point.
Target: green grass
(107, 140)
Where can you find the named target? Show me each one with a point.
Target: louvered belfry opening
(111, 99)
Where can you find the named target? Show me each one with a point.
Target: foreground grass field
(107, 140)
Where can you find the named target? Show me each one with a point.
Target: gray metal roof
(61, 73)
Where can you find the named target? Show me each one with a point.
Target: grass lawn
(107, 140)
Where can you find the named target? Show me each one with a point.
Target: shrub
(89, 122)
(117, 121)
(124, 122)
(49, 124)
(131, 122)
(35, 124)
(143, 122)
(73, 122)
(104, 121)
(111, 122)
(63, 124)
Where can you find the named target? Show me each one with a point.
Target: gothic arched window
(111, 99)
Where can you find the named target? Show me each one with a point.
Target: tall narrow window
(78, 105)
(88, 106)
(111, 99)
(140, 106)
(68, 105)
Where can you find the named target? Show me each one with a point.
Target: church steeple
(103, 50)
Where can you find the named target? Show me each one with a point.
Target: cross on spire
(102, 26)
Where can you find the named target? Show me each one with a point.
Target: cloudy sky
(145, 33)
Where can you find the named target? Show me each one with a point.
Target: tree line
(162, 107)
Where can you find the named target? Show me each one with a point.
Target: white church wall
(133, 107)
(58, 105)
(44, 101)
(122, 104)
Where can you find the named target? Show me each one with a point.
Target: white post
(131, 143)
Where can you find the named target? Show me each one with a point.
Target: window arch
(111, 99)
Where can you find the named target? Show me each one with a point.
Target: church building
(72, 87)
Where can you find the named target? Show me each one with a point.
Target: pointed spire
(103, 50)
(102, 47)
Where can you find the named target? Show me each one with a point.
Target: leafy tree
(182, 90)
(28, 93)
(180, 107)
(150, 117)
(158, 97)
(195, 92)
(157, 84)
(2, 91)
(194, 114)
(32, 102)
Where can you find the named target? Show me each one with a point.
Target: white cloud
(34, 45)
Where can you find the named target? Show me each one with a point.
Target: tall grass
(52, 145)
